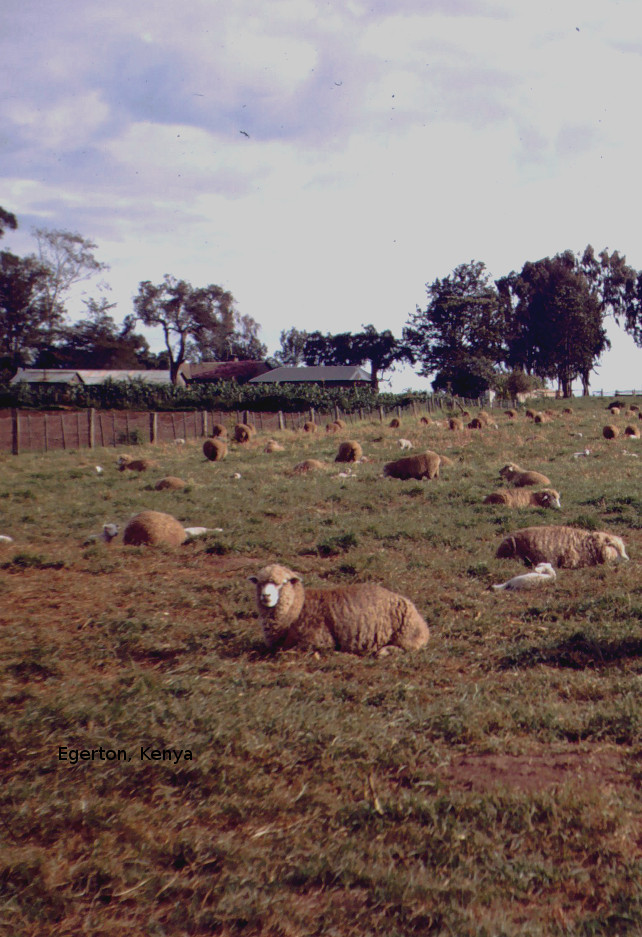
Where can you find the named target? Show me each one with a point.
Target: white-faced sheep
(357, 619)
(169, 483)
(423, 465)
(520, 478)
(349, 451)
(215, 449)
(243, 432)
(610, 431)
(153, 528)
(308, 465)
(125, 462)
(542, 574)
(525, 498)
(570, 547)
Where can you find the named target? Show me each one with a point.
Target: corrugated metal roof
(45, 376)
(85, 376)
(316, 373)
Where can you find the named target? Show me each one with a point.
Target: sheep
(531, 414)
(610, 431)
(358, 619)
(632, 431)
(511, 414)
(423, 465)
(567, 411)
(425, 420)
(525, 498)
(108, 533)
(404, 444)
(542, 573)
(169, 483)
(215, 449)
(616, 404)
(542, 418)
(518, 477)
(634, 407)
(309, 427)
(243, 432)
(394, 423)
(308, 465)
(134, 465)
(584, 454)
(332, 427)
(5, 538)
(454, 423)
(218, 430)
(349, 451)
(273, 446)
(485, 418)
(153, 528)
(562, 546)
(179, 442)
(476, 423)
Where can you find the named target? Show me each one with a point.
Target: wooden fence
(46, 430)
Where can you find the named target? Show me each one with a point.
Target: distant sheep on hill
(423, 465)
(332, 427)
(125, 462)
(169, 483)
(610, 431)
(542, 418)
(511, 414)
(358, 619)
(525, 498)
(309, 427)
(394, 423)
(562, 546)
(632, 431)
(520, 478)
(215, 449)
(218, 430)
(273, 446)
(243, 432)
(476, 423)
(404, 444)
(349, 451)
(454, 423)
(308, 465)
(426, 421)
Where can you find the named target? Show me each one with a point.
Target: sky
(323, 161)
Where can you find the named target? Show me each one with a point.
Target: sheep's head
(548, 498)
(611, 548)
(279, 596)
(509, 471)
(545, 569)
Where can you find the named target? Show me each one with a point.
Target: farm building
(66, 376)
(207, 371)
(332, 376)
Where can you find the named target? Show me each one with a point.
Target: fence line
(24, 430)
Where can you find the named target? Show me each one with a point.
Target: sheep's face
(508, 471)
(279, 596)
(612, 548)
(549, 499)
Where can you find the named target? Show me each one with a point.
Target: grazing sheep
(215, 449)
(445, 462)
(404, 444)
(525, 498)
(542, 418)
(610, 431)
(308, 465)
(358, 619)
(108, 533)
(394, 423)
(349, 451)
(425, 420)
(531, 414)
(332, 427)
(476, 423)
(616, 404)
(273, 446)
(632, 431)
(309, 427)
(218, 430)
(423, 465)
(520, 478)
(562, 546)
(169, 483)
(243, 432)
(454, 423)
(542, 573)
(511, 414)
(134, 465)
(153, 528)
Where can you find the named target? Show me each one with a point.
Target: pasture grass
(486, 785)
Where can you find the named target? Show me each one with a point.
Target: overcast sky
(324, 160)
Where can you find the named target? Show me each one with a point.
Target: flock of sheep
(366, 618)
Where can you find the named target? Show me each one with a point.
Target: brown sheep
(358, 619)
(169, 483)
(218, 430)
(349, 451)
(423, 465)
(530, 414)
(610, 431)
(215, 449)
(632, 431)
(425, 420)
(511, 414)
(567, 411)
(243, 432)
(570, 547)
(542, 418)
(454, 423)
(340, 423)
(126, 462)
(309, 427)
(525, 498)
(273, 446)
(153, 528)
(476, 423)
(615, 411)
(634, 407)
(394, 423)
(332, 427)
(520, 478)
(308, 465)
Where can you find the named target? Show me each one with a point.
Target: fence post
(312, 414)
(153, 428)
(15, 431)
(204, 423)
(91, 427)
(281, 423)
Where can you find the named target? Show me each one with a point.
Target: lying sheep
(169, 483)
(520, 478)
(358, 619)
(542, 418)
(562, 546)
(153, 528)
(394, 423)
(425, 420)
(309, 427)
(525, 498)
(454, 423)
(404, 444)
(273, 446)
(511, 414)
(332, 427)
(531, 414)
(610, 431)
(476, 423)
(308, 465)
(243, 432)
(134, 465)
(215, 449)
(422, 465)
(542, 574)
(349, 451)
(218, 430)
(632, 431)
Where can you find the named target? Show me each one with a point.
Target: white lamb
(542, 573)
(405, 444)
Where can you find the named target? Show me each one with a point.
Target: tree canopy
(26, 319)
(381, 350)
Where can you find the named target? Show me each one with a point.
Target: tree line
(545, 322)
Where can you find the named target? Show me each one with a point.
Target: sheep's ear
(253, 579)
(295, 578)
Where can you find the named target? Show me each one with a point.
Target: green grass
(486, 785)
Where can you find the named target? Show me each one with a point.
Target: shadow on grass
(578, 652)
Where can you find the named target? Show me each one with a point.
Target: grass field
(488, 784)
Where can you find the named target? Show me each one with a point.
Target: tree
(203, 316)
(460, 333)
(237, 339)
(555, 320)
(69, 258)
(618, 288)
(7, 220)
(25, 316)
(292, 347)
(381, 350)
